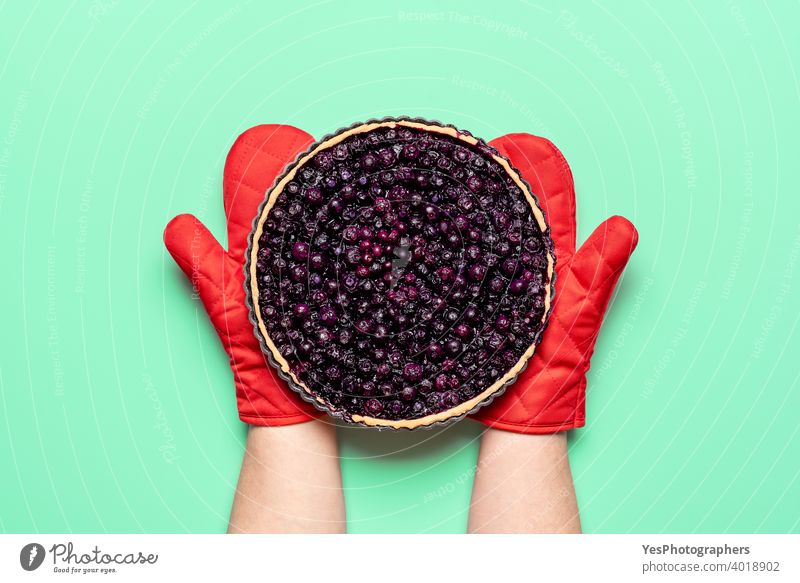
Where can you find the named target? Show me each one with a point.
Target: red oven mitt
(254, 161)
(549, 395)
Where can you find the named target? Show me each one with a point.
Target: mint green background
(116, 408)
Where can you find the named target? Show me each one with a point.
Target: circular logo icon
(31, 556)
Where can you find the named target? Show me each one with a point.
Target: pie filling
(399, 270)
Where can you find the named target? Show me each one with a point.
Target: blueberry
(350, 234)
(497, 285)
(453, 347)
(470, 313)
(336, 206)
(466, 203)
(461, 154)
(502, 323)
(353, 256)
(474, 183)
(313, 195)
(410, 152)
(463, 331)
(450, 399)
(509, 267)
(298, 273)
(333, 373)
(300, 251)
(348, 192)
(532, 244)
(387, 156)
(340, 152)
(327, 316)
(412, 372)
(316, 261)
(373, 406)
(369, 162)
(495, 342)
(446, 274)
(518, 286)
(435, 352)
(477, 272)
(350, 281)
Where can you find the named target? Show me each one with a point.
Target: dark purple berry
(373, 407)
(412, 372)
(446, 274)
(327, 316)
(463, 331)
(408, 393)
(518, 286)
(509, 267)
(435, 352)
(369, 162)
(453, 347)
(316, 261)
(474, 183)
(502, 323)
(410, 152)
(477, 272)
(300, 251)
(350, 234)
(299, 273)
(313, 195)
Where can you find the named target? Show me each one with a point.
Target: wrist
(312, 436)
(509, 443)
(521, 427)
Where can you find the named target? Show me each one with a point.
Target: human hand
(549, 396)
(255, 159)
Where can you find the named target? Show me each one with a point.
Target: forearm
(290, 481)
(523, 485)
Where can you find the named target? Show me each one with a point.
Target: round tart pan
(277, 360)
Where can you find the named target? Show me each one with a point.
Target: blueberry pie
(399, 273)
